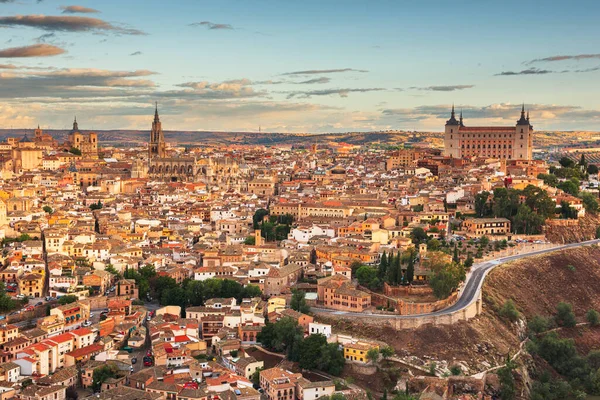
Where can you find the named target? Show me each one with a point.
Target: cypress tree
(410, 268)
(455, 258)
(383, 266)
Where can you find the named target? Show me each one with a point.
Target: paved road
(471, 288)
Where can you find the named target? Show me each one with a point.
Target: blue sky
(310, 66)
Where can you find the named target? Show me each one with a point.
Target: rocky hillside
(535, 284)
(584, 230)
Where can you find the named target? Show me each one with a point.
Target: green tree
(298, 301)
(75, 151)
(509, 311)
(443, 283)
(373, 355)
(258, 217)
(96, 206)
(250, 241)
(549, 179)
(102, 374)
(68, 299)
(469, 261)
(410, 266)
(589, 202)
(592, 317)
(383, 266)
(481, 204)
(386, 352)
(367, 276)
(571, 186)
(310, 351)
(566, 162)
(418, 235)
(538, 324)
(564, 315)
(47, 209)
(592, 169)
(507, 380)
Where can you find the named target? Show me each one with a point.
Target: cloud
(74, 83)
(537, 71)
(577, 57)
(324, 71)
(136, 53)
(212, 26)
(528, 71)
(78, 9)
(8, 66)
(46, 37)
(320, 80)
(35, 50)
(448, 88)
(329, 92)
(66, 24)
(231, 89)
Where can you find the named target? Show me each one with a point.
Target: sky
(298, 66)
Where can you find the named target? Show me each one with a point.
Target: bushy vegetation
(509, 311)
(190, 292)
(286, 336)
(527, 217)
(298, 301)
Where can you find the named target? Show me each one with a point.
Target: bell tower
(157, 147)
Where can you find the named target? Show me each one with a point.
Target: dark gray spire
(452, 120)
(523, 120)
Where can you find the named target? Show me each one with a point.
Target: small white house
(315, 328)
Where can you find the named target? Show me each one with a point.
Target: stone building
(86, 143)
(506, 143)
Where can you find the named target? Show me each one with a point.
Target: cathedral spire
(452, 120)
(156, 112)
(461, 118)
(523, 120)
(75, 126)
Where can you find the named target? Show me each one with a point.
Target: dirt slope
(536, 285)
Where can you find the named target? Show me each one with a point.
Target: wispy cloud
(66, 24)
(324, 71)
(528, 71)
(537, 71)
(320, 80)
(46, 37)
(576, 57)
(78, 9)
(136, 53)
(329, 92)
(36, 50)
(211, 25)
(444, 88)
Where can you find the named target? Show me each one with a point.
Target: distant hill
(138, 137)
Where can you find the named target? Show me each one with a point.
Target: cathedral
(162, 167)
(502, 142)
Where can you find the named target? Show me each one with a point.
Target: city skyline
(310, 67)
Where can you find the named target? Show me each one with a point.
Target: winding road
(470, 290)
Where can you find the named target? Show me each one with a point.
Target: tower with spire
(157, 146)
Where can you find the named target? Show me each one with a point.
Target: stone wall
(412, 322)
(399, 291)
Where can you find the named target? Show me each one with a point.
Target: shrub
(509, 311)
(455, 370)
(538, 324)
(593, 317)
(564, 315)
